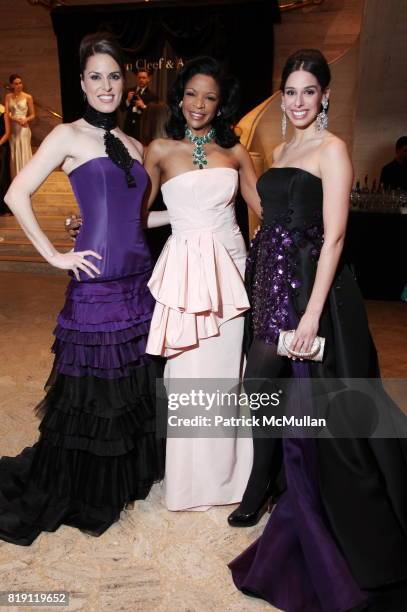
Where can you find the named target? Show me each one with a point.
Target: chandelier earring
(322, 117)
(283, 120)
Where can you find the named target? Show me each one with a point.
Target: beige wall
(332, 27)
(381, 114)
(28, 47)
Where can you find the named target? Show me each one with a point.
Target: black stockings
(264, 366)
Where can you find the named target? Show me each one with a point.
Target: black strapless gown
(339, 530)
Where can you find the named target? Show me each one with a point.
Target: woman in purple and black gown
(97, 449)
(337, 537)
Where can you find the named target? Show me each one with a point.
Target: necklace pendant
(198, 153)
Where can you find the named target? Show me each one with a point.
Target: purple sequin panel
(274, 275)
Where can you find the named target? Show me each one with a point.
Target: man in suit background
(394, 174)
(137, 100)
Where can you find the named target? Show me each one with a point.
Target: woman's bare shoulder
(65, 130)
(239, 150)
(160, 147)
(333, 144)
(63, 136)
(163, 144)
(334, 158)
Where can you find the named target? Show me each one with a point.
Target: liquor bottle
(355, 196)
(365, 188)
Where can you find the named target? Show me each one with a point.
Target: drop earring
(180, 103)
(283, 120)
(322, 117)
(84, 97)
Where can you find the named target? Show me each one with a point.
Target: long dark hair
(228, 106)
(100, 42)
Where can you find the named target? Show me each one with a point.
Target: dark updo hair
(100, 42)
(310, 60)
(13, 77)
(228, 105)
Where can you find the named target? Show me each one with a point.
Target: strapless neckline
(318, 178)
(97, 159)
(197, 170)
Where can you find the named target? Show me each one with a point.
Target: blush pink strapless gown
(198, 325)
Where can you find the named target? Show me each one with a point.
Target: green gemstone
(198, 154)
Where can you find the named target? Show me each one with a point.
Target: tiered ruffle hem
(97, 449)
(197, 287)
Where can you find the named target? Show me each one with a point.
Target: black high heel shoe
(248, 519)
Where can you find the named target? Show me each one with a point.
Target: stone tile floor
(152, 560)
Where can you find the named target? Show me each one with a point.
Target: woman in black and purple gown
(337, 537)
(97, 449)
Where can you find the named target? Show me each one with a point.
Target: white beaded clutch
(284, 342)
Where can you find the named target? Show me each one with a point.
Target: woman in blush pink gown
(198, 279)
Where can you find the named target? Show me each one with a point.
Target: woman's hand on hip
(76, 261)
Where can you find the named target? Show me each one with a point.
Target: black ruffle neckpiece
(115, 149)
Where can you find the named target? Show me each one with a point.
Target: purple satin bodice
(111, 215)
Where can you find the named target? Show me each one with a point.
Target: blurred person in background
(20, 108)
(137, 100)
(394, 174)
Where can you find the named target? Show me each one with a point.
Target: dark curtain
(236, 32)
